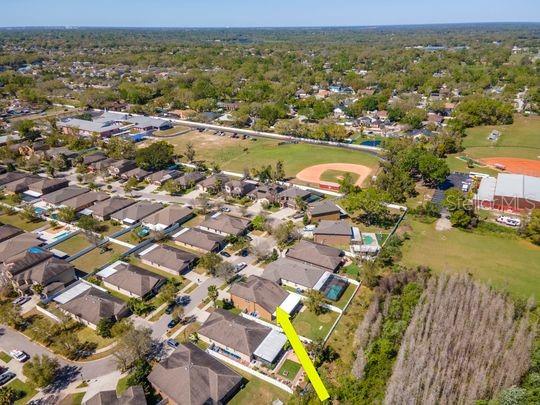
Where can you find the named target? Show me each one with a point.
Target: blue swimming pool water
(61, 235)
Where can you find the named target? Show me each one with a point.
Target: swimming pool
(367, 239)
(61, 235)
(334, 288)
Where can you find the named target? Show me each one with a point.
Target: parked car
(169, 310)
(173, 343)
(19, 355)
(240, 266)
(224, 254)
(5, 377)
(21, 300)
(225, 209)
(509, 220)
(172, 323)
(244, 253)
(183, 300)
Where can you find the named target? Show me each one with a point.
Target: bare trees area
(465, 342)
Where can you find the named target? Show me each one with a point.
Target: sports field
(509, 264)
(236, 154)
(521, 139)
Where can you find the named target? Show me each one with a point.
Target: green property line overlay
(301, 353)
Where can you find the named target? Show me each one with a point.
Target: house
(170, 215)
(83, 201)
(89, 304)
(333, 233)
(136, 173)
(242, 339)
(101, 166)
(10, 177)
(296, 274)
(189, 179)
(103, 210)
(324, 209)
(197, 239)
(9, 231)
(161, 177)
(133, 395)
(214, 183)
(167, 258)
(239, 188)
(18, 244)
(130, 280)
(261, 296)
(141, 123)
(327, 257)
(64, 194)
(509, 192)
(227, 225)
(21, 184)
(121, 166)
(191, 376)
(93, 158)
(134, 213)
(36, 266)
(46, 186)
(291, 196)
(266, 193)
(76, 126)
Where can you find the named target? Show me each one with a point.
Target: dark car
(225, 254)
(173, 343)
(183, 300)
(5, 377)
(244, 253)
(172, 323)
(170, 309)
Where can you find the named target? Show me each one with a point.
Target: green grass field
(95, 258)
(336, 175)
(520, 139)
(27, 392)
(6, 358)
(237, 154)
(257, 391)
(17, 221)
(73, 245)
(289, 369)
(512, 265)
(313, 326)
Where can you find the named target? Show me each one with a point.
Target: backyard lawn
(95, 258)
(509, 264)
(520, 139)
(17, 221)
(26, 390)
(73, 245)
(347, 294)
(109, 227)
(289, 369)
(257, 391)
(237, 154)
(313, 326)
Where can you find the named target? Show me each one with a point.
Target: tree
(88, 223)
(461, 209)
(120, 148)
(135, 344)
(27, 130)
(157, 156)
(285, 233)
(532, 228)
(178, 313)
(315, 299)
(139, 306)
(346, 184)
(433, 169)
(131, 184)
(28, 214)
(10, 315)
(210, 261)
(259, 222)
(369, 205)
(190, 152)
(213, 293)
(168, 292)
(104, 326)
(225, 270)
(477, 110)
(41, 371)
(280, 171)
(8, 395)
(66, 214)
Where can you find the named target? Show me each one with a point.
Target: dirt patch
(313, 174)
(443, 224)
(529, 167)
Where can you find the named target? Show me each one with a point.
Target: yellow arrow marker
(301, 353)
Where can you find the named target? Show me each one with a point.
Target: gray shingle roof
(58, 196)
(134, 279)
(18, 244)
(226, 223)
(303, 274)
(327, 227)
(169, 257)
(110, 206)
(200, 239)
(190, 376)
(9, 231)
(137, 211)
(84, 200)
(132, 396)
(323, 207)
(263, 292)
(169, 215)
(235, 332)
(316, 254)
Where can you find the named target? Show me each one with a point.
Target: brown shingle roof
(226, 224)
(110, 206)
(83, 201)
(323, 207)
(132, 278)
(169, 257)
(235, 332)
(190, 376)
(137, 211)
(18, 244)
(58, 196)
(316, 254)
(9, 231)
(200, 239)
(327, 227)
(169, 215)
(263, 292)
(131, 396)
(300, 273)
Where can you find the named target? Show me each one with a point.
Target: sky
(261, 13)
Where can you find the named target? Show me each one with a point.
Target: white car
(19, 355)
(21, 300)
(240, 266)
(509, 220)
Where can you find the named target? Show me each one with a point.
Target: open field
(95, 258)
(333, 171)
(508, 264)
(236, 154)
(313, 326)
(521, 139)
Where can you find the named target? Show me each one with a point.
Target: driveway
(283, 213)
